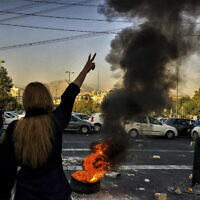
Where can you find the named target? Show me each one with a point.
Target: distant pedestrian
(2, 120)
(34, 144)
(197, 122)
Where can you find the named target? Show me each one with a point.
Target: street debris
(156, 157)
(161, 196)
(140, 145)
(130, 174)
(112, 174)
(141, 189)
(175, 190)
(146, 180)
(190, 176)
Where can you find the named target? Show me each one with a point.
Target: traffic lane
(139, 158)
(146, 142)
(131, 185)
(171, 152)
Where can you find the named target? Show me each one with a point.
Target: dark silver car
(78, 125)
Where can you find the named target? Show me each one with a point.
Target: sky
(49, 62)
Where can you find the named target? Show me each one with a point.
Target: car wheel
(133, 133)
(194, 135)
(97, 127)
(170, 135)
(84, 129)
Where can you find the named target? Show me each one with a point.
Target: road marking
(140, 150)
(140, 167)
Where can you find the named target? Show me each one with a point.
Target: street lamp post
(69, 72)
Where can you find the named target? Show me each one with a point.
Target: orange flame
(94, 166)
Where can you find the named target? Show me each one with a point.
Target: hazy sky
(48, 62)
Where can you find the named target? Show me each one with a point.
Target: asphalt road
(171, 170)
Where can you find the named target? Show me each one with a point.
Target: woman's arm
(88, 66)
(63, 111)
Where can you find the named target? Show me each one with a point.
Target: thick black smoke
(148, 57)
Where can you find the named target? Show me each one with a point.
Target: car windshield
(154, 121)
(169, 121)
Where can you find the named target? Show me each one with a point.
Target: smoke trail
(146, 56)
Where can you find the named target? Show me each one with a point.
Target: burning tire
(170, 135)
(84, 129)
(84, 188)
(133, 133)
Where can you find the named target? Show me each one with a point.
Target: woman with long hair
(30, 150)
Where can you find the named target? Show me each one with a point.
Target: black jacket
(47, 182)
(196, 163)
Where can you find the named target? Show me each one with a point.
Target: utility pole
(69, 72)
(98, 82)
(177, 76)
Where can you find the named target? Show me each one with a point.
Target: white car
(9, 117)
(147, 125)
(21, 114)
(195, 133)
(97, 120)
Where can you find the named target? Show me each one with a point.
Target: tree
(6, 101)
(5, 82)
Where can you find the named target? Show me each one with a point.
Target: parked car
(183, 126)
(78, 125)
(147, 125)
(195, 133)
(97, 120)
(82, 116)
(21, 114)
(162, 119)
(9, 117)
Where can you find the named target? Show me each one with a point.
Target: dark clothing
(1, 118)
(196, 123)
(47, 182)
(196, 163)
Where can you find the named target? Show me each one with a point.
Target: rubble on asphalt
(146, 180)
(190, 176)
(175, 190)
(161, 196)
(112, 174)
(130, 174)
(156, 157)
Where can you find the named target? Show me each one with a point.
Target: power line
(43, 11)
(26, 6)
(80, 18)
(56, 29)
(58, 17)
(67, 39)
(53, 40)
(61, 3)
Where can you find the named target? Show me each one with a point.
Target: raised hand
(90, 64)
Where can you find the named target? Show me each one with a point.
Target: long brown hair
(33, 135)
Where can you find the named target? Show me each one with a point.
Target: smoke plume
(148, 56)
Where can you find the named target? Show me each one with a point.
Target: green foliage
(187, 106)
(5, 82)
(6, 101)
(85, 106)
